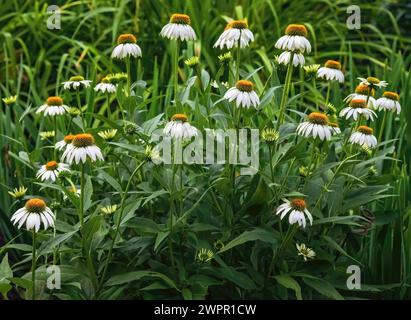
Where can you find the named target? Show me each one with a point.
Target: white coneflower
(364, 137)
(44, 135)
(126, 47)
(243, 93)
(311, 69)
(297, 209)
(63, 143)
(179, 28)
(108, 134)
(356, 108)
(81, 148)
(53, 107)
(235, 32)
(295, 39)
(373, 82)
(179, 128)
(34, 213)
(105, 86)
(316, 126)
(362, 92)
(331, 71)
(389, 101)
(285, 57)
(335, 128)
(51, 170)
(305, 252)
(109, 209)
(75, 83)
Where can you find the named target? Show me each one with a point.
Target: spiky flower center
(52, 165)
(126, 38)
(179, 117)
(68, 138)
(358, 103)
(76, 78)
(83, 140)
(318, 118)
(244, 85)
(296, 30)
(180, 18)
(391, 95)
(105, 80)
(365, 130)
(364, 89)
(298, 204)
(54, 101)
(332, 64)
(237, 24)
(35, 205)
(373, 80)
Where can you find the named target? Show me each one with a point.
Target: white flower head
(53, 107)
(305, 252)
(335, 128)
(356, 108)
(331, 71)
(243, 93)
(82, 147)
(236, 32)
(316, 126)
(295, 39)
(362, 92)
(178, 28)
(33, 214)
(179, 128)
(285, 57)
(297, 209)
(51, 170)
(105, 86)
(63, 143)
(76, 83)
(373, 82)
(389, 101)
(126, 47)
(108, 135)
(364, 137)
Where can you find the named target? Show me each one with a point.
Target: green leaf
(289, 283)
(253, 235)
(323, 287)
(137, 275)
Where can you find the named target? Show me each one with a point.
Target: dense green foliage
(210, 206)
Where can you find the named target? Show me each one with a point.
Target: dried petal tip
(54, 101)
(180, 117)
(76, 78)
(180, 18)
(391, 95)
(83, 140)
(296, 30)
(237, 24)
(245, 85)
(358, 103)
(332, 64)
(318, 118)
(365, 130)
(298, 204)
(52, 165)
(35, 205)
(126, 38)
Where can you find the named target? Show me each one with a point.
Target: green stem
(128, 68)
(33, 266)
(286, 90)
(81, 111)
(122, 207)
(238, 59)
(81, 217)
(327, 98)
(384, 119)
(55, 138)
(175, 64)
